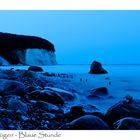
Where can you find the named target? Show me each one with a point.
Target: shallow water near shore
(124, 80)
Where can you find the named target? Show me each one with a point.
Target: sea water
(112, 69)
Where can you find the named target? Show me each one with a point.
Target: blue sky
(111, 37)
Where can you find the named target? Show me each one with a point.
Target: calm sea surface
(128, 70)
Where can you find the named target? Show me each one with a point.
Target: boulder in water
(97, 93)
(96, 68)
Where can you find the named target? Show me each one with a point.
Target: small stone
(24, 118)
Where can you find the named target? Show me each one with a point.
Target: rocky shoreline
(30, 100)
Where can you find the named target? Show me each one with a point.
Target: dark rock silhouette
(109, 83)
(96, 68)
(11, 87)
(97, 93)
(88, 122)
(65, 95)
(127, 123)
(47, 96)
(76, 112)
(128, 107)
(13, 47)
(99, 114)
(35, 68)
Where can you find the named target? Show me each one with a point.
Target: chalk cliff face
(26, 50)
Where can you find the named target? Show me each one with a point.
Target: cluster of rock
(28, 101)
(124, 115)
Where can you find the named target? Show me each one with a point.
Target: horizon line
(102, 64)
